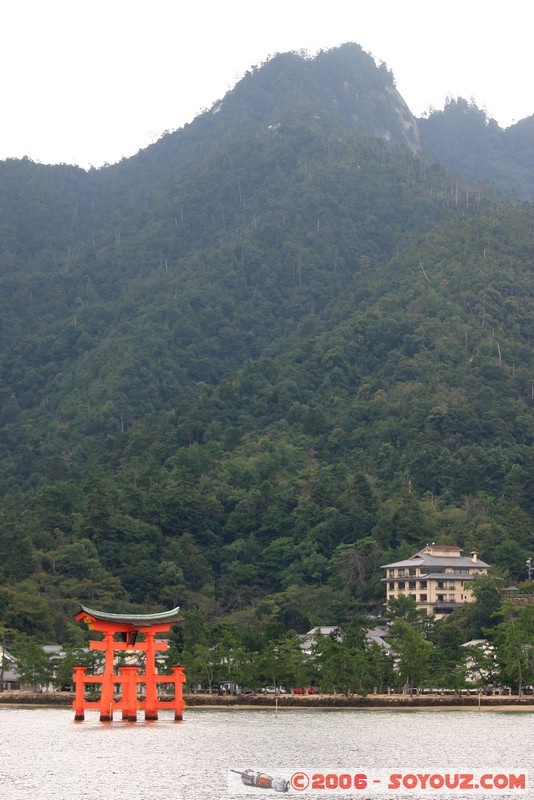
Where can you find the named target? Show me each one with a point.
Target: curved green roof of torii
(139, 620)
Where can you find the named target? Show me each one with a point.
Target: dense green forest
(275, 350)
(465, 139)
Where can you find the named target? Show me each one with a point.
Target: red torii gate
(128, 628)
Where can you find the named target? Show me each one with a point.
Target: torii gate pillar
(128, 632)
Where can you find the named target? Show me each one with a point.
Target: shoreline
(317, 702)
(369, 703)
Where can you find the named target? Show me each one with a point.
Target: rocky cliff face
(407, 120)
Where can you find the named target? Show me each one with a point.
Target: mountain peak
(343, 88)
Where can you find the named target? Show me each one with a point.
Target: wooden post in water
(179, 705)
(78, 679)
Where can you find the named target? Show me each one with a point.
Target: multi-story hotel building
(437, 577)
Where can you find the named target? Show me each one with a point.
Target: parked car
(273, 690)
(309, 690)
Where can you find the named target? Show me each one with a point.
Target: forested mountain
(271, 352)
(465, 139)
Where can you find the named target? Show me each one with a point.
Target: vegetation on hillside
(466, 139)
(245, 368)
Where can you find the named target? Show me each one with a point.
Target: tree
(28, 612)
(514, 643)
(33, 664)
(200, 666)
(342, 668)
(380, 667)
(481, 663)
(62, 666)
(413, 654)
(18, 557)
(511, 556)
(405, 608)
(402, 521)
(448, 658)
(282, 663)
(479, 616)
(355, 567)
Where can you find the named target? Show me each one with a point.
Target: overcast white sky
(92, 81)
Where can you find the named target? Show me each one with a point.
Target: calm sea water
(44, 754)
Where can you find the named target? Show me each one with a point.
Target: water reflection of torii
(128, 632)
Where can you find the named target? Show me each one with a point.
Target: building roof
(137, 620)
(324, 630)
(437, 561)
(53, 650)
(477, 643)
(377, 635)
(8, 667)
(308, 640)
